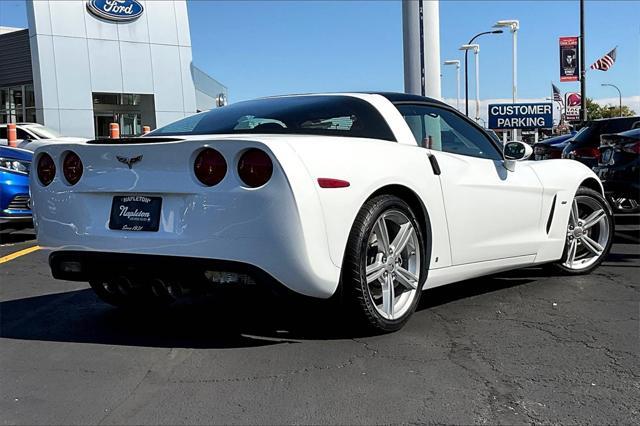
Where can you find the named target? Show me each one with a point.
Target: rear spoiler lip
(133, 141)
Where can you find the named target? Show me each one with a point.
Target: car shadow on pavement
(11, 234)
(231, 318)
(238, 318)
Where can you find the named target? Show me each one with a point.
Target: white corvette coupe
(369, 196)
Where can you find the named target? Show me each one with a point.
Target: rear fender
(368, 166)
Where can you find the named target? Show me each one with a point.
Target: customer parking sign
(521, 116)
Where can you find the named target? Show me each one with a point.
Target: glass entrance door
(130, 111)
(130, 124)
(102, 121)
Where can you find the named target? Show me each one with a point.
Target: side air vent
(553, 209)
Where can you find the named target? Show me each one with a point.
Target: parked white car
(32, 135)
(375, 196)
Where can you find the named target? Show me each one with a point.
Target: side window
(21, 134)
(439, 129)
(3, 132)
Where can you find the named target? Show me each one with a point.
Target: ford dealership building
(84, 64)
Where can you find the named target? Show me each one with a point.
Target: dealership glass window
(17, 104)
(130, 110)
(4, 99)
(106, 99)
(117, 99)
(30, 115)
(130, 99)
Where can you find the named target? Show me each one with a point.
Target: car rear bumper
(189, 271)
(620, 180)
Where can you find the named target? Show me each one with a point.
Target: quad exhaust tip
(227, 277)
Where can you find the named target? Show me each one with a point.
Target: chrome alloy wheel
(625, 205)
(588, 233)
(393, 264)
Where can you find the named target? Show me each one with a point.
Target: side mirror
(515, 151)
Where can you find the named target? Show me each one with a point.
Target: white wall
(74, 54)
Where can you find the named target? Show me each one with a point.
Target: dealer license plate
(135, 213)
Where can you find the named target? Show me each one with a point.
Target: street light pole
(514, 26)
(476, 51)
(619, 95)
(466, 69)
(583, 72)
(456, 62)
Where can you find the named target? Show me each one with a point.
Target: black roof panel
(407, 97)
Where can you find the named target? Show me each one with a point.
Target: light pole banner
(521, 116)
(572, 106)
(569, 59)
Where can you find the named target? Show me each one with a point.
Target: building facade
(84, 64)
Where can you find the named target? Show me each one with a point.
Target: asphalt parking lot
(516, 348)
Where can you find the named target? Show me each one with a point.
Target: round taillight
(46, 169)
(210, 167)
(72, 167)
(255, 168)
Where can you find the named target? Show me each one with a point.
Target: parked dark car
(552, 147)
(584, 146)
(619, 170)
(14, 185)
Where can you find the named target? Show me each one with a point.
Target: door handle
(434, 164)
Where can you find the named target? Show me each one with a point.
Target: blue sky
(259, 48)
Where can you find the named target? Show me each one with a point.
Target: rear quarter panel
(369, 165)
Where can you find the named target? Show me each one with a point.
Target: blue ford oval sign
(116, 10)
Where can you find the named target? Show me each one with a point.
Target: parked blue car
(552, 147)
(14, 184)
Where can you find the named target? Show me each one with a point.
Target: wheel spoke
(592, 245)
(571, 255)
(574, 212)
(406, 278)
(383, 235)
(388, 296)
(404, 235)
(593, 218)
(374, 271)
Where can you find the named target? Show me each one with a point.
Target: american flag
(557, 96)
(606, 62)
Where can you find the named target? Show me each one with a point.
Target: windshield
(302, 115)
(44, 132)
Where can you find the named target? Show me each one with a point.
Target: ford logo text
(116, 10)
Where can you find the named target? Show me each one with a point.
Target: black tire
(602, 202)
(357, 297)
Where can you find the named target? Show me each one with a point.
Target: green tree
(595, 110)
